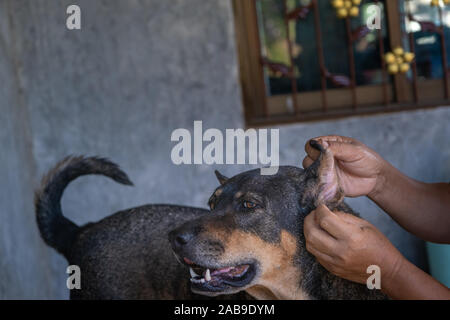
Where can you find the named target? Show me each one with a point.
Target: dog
(252, 240)
(250, 244)
(124, 256)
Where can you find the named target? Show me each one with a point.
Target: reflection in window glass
(427, 42)
(273, 34)
(367, 49)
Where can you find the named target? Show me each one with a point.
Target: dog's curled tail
(56, 230)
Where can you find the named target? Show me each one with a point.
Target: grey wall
(25, 264)
(135, 72)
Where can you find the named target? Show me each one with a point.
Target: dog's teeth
(192, 272)
(208, 275)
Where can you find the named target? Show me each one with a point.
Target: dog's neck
(282, 286)
(283, 279)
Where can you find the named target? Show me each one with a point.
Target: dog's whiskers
(176, 257)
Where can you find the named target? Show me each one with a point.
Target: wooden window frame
(261, 109)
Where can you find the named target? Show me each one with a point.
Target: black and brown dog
(251, 241)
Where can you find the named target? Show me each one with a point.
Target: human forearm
(421, 208)
(346, 245)
(410, 283)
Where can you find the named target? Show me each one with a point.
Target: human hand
(346, 245)
(358, 168)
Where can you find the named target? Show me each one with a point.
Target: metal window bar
(291, 58)
(443, 51)
(383, 63)
(351, 61)
(318, 34)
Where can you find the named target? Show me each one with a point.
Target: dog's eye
(249, 205)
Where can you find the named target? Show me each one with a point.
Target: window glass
(427, 40)
(274, 29)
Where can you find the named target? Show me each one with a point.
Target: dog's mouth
(219, 279)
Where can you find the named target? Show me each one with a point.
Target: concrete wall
(118, 88)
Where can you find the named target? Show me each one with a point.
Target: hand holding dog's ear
(346, 245)
(358, 168)
(326, 188)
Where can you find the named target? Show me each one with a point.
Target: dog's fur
(269, 236)
(123, 256)
(127, 255)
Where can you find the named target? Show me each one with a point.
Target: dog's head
(253, 236)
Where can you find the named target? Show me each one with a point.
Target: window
(300, 61)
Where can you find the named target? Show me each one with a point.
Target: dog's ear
(324, 186)
(222, 179)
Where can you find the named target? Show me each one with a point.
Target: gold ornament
(398, 60)
(404, 67)
(435, 3)
(409, 56)
(393, 68)
(398, 51)
(346, 8)
(342, 13)
(338, 4)
(389, 57)
(354, 11)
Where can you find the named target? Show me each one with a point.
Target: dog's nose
(181, 238)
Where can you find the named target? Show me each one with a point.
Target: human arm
(421, 208)
(346, 245)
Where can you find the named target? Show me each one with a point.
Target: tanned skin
(346, 245)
